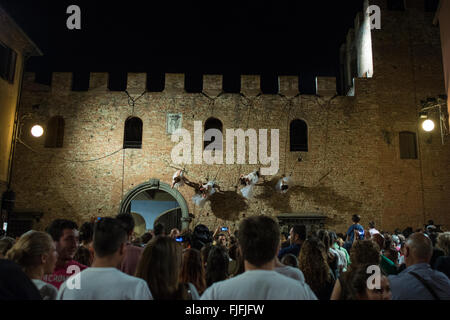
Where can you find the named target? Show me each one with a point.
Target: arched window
(408, 145)
(133, 133)
(213, 123)
(298, 135)
(54, 136)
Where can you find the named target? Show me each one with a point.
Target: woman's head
(217, 265)
(361, 284)
(290, 260)
(6, 243)
(365, 252)
(313, 263)
(192, 269)
(443, 242)
(34, 251)
(160, 266)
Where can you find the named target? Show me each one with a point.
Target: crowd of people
(102, 260)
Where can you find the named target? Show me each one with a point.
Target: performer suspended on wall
(283, 184)
(249, 181)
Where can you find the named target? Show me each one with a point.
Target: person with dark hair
(442, 263)
(132, 252)
(407, 232)
(201, 236)
(192, 270)
(364, 252)
(6, 243)
(418, 281)
(290, 260)
(355, 282)
(84, 256)
(85, 252)
(354, 232)
(372, 229)
(313, 263)
(15, 284)
(66, 236)
(217, 265)
(160, 267)
(145, 238)
(103, 281)
(205, 253)
(232, 253)
(259, 241)
(297, 235)
(344, 260)
(159, 229)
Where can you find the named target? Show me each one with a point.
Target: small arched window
(133, 133)
(408, 145)
(298, 135)
(213, 123)
(54, 136)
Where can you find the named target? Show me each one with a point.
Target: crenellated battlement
(175, 84)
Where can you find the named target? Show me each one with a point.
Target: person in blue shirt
(297, 235)
(355, 228)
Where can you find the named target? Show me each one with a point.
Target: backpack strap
(425, 284)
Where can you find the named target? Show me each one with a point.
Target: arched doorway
(155, 201)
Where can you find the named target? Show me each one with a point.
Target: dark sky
(282, 36)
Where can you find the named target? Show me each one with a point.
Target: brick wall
(353, 164)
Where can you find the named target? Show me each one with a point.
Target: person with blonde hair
(442, 263)
(36, 253)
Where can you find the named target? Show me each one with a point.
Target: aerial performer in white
(249, 181)
(283, 184)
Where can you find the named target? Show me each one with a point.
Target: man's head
(418, 249)
(159, 230)
(127, 222)
(356, 218)
(259, 238)
(65, 234)
(297, 234)
(110, 238)
(222, 239)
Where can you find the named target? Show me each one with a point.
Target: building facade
(365, 152)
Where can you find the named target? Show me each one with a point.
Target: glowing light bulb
(37, 131)
(428, 125)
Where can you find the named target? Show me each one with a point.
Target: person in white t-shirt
(259, 241)
(103, 281)
(290, 271)
(372, 229)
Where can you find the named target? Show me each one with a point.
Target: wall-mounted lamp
(37, 131)
(435, 104)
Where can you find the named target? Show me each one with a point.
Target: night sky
(284, 37)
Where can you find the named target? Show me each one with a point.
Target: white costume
(283, 184)
(251, 179)
(199, 199)
(180, 183)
